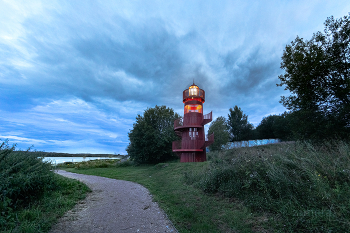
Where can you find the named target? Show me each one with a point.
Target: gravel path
(113, 206)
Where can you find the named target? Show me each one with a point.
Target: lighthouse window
(193, 133)
(193, 108)
(193, 91)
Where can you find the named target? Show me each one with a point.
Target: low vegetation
(287, 187)
(300, 186)
(96, 163)
(57, 154)
(32, 197)
(190, 209)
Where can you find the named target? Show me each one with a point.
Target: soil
(113, 206)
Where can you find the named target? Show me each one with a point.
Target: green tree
(276, 126)
(220, 129)
(152, 136)
(283, 126)
(317, 75)
(239, 127)
(266, 128)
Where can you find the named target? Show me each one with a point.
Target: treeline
(317, 74)
(56, 154)
(237, 128)
(289, 126)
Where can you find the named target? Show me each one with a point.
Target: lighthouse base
(193, 157)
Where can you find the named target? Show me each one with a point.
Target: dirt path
(113, 206)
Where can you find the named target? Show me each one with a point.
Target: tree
(220, 129)
(239, 127)
(276, 126)
(152, 136)
(317, 75)
(283, 126)
(266, 128)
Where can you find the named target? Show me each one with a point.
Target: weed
(97, 163)
(32, 197)
(305, 186)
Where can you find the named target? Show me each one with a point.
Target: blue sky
(74, 74)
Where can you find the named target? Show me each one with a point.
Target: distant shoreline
(81, 155)
(58, 154)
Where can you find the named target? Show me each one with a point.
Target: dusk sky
(75, 74)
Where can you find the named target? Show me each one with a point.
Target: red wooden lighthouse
(191, 127)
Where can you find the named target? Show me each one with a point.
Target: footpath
(113, 206)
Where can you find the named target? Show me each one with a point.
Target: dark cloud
(79, 73)
(99, 65)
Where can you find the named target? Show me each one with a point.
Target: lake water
(56, 160)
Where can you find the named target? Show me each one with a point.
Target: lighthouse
(190, 128)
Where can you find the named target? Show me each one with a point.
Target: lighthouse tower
(190, 128)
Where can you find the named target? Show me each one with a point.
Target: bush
(23, 177)
(125, 163)
(305, 186)
(41, 213)
(97, 163)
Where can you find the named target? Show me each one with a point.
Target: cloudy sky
(74, 74)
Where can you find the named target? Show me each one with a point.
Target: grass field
(40, 214)
(190, 209)
(276, 188)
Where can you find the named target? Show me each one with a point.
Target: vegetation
(276, 126)
(220, 129)
(317, 75)
(190, 209)
(97, 163)
(287, 187)
(152, 136)
(239, 127)
(32, 197)
(300, 187)
(266, 128)
(56, 154)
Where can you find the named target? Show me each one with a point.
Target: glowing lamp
(193, 90)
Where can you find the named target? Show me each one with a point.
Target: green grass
(96, 163)
(189, 208)
(32, 197)
(297, 187)
(303, 187)
(41, 213)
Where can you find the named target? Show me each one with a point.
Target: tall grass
(23, 176)
(303, 187)
(32, 197)
(97, 163)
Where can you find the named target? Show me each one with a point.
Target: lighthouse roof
(193, 85)
(194, 92)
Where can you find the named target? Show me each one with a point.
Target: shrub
(23, 177)
(97, 163)
(126, 163)
(306, 186)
